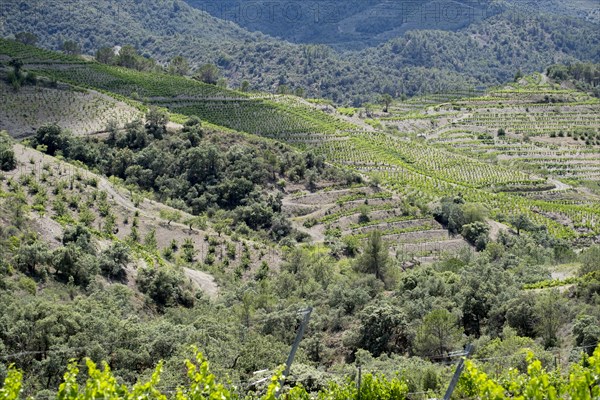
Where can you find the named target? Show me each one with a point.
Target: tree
(283, 89)
(351, 245)
(551, 310)
(163, 285)
(222, 83)
(71, 47)
(587, 332)
(156, 122)
(208, 73)
(451, 214)
(521, 314)
(438, 334)
(590, 260)
(245, 86)
(477, 234)
(179, 65)
(30, 255)
(112, 127)
(188, 250)
(27, 38)
(374, 259)
(311, 180)
(136, 137)
(221, 224)
(203, 164)
(150, 240)
(521, 222)
(170, 215)
(106, 55)
(383, 329)
(17, 65)
(8, 162)
(363, 217)
(16, 77)
(263, 272)
(112, 261)
(87, 217)
(386, 99)
(481, 298)
(198, 221)
(52, 137)
(474, 212)
(128, 57)
(71, 262)
(80, 236)
(518, 75)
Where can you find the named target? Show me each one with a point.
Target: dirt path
(560, 186)
(204, 281)
(496, 228)
(315, 235)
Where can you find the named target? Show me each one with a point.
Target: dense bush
(165, 286)
(8, 162)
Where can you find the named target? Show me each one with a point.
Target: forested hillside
(346, 24)
(360, 24)
(483, 52)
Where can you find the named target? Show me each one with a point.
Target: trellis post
(459, 369)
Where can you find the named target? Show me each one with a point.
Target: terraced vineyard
(11, 49)
(267, 118)
(533, 127)
(333, 215)
(391, 152)
(148, 86)
(435, 150)
(558, 140)
(276, 117)
(431, 147)
(81, 111)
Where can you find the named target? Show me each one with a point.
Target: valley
(429, 194)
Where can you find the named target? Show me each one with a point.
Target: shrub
(112, 261)
(164, 286)
(8, 162)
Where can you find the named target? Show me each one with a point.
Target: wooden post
(306, 313)
(459, 368)
(358, 382)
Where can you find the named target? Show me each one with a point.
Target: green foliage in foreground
(101, 383)
(581, 382)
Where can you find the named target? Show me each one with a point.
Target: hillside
(210, 217)
(85, 112)
(259, 114)
(422, 59)
(432, 171)
(361, 24)
(345, 24)
(152, 25)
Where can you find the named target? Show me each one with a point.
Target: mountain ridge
(419, 61)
